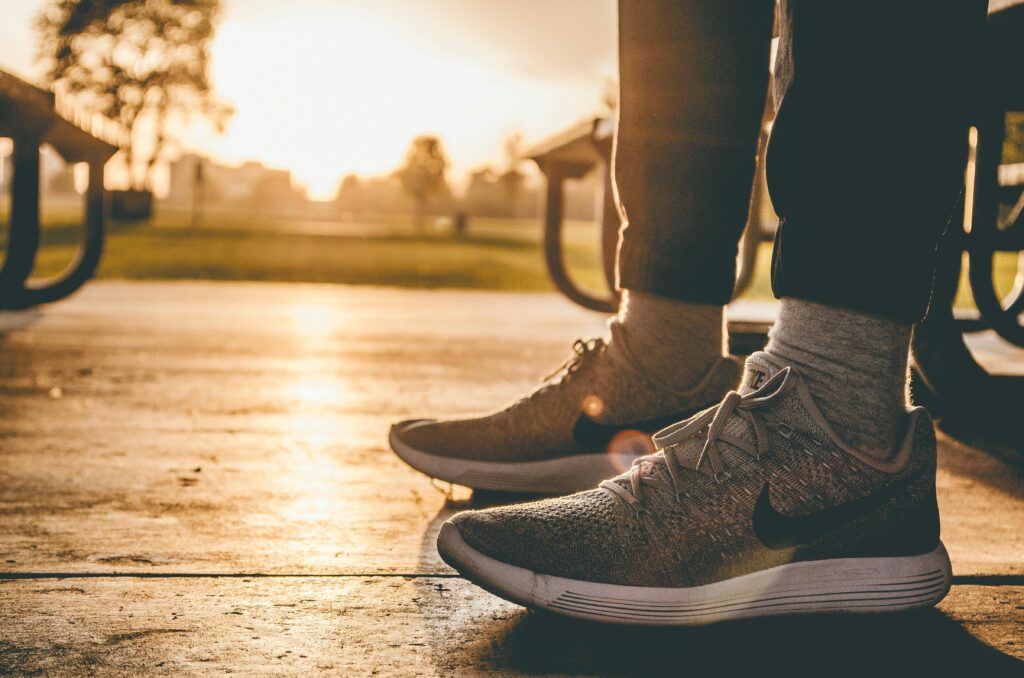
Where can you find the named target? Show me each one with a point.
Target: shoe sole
(848, 585)
(563, 475)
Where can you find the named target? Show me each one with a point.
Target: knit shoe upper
(581, 408)
(759, 481)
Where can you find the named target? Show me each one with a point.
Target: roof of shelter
(579, 143)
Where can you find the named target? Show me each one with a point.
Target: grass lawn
(501, 255)
(497, 254)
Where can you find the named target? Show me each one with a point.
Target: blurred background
(359, 141)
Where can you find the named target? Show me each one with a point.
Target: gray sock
(672, 343)
(855, 366)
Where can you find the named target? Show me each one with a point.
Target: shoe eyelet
(679, 497)
(640, 512)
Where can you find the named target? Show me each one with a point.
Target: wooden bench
(28, 116)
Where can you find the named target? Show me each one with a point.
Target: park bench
(946, 376)
(29, 117)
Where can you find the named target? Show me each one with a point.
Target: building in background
(196, 182)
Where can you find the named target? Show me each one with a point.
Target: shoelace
(582, 349)
(669, 438)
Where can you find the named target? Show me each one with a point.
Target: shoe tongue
(759, 368)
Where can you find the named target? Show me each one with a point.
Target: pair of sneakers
(692, 514)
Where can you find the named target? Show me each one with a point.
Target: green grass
(497, 255)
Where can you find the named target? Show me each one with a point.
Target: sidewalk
(194, 478)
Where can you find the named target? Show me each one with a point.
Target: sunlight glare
(334, 89)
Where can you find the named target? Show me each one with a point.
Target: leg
(868, 149)
(694, 74)
(865, 164)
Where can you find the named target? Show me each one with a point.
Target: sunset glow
(325, 88)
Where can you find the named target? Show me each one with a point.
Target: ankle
(855, 366)
(671, 343)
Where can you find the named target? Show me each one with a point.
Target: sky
(328, 87)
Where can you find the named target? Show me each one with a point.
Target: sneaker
(578, 428)
(751, 508)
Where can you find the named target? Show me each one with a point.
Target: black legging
(866, 157)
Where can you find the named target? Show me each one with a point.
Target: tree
(350, 195)
(142, 63)
(481, 198)
(422, 173)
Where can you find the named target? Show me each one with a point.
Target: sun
(329, 88)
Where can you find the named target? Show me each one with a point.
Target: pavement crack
(13, 576)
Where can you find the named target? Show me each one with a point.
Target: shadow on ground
(910, 644)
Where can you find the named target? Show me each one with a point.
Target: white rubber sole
(840, 585)
(564, 475)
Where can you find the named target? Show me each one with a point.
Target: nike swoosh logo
(592, 435)
(777, 531)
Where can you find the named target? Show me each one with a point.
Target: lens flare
(629, 444)
(593, 406)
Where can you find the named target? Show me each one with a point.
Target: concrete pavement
(194, 478)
